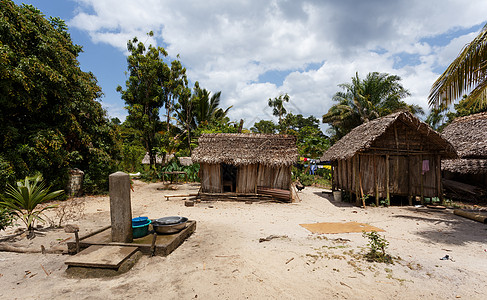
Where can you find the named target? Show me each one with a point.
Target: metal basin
(169, 220)
(169, 228)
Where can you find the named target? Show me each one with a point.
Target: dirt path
(224, 259)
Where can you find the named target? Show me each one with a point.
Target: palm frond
(466, 72)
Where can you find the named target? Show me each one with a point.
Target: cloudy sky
(252, 50)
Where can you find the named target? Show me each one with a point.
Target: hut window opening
(229, 178)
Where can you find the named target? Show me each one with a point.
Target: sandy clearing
(224, 259)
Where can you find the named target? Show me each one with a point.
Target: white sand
(223, 259)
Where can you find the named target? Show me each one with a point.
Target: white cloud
(226, 45)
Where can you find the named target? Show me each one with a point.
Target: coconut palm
(377, 95)
(206, 108)
(468, 72)
(24, 199)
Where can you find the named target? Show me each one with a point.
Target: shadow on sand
(455, 230)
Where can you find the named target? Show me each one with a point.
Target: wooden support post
(356, 171)
(422, 178)
(438, 179)
(410, 197)
(388, 196)
(376, 181)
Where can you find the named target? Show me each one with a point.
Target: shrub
(24, 199)
(377, 247)
(6, 218)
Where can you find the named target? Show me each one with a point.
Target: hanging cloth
(426, 166)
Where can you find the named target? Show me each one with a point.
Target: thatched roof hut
(469, 137)
(239, 163)
(243, 149)
(396, 155)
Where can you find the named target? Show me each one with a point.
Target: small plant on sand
(24, 200)
(5, 218)
(377, 247)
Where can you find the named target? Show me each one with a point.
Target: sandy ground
(224, 259)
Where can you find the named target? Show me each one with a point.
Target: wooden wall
(248, 178)
(210, 175)
(371, 174)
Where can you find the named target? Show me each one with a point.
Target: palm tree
(468, 72)
(206, 108)
(277, 105)
(377, 95)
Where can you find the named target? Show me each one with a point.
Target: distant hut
(396, 155)
(243, 166)
(469, 137)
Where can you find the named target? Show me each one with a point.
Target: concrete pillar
(120, 207)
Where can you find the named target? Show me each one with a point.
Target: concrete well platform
(165, 244)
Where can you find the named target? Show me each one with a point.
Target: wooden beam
(438, 179)
(376, 181)
(356, 171)
(388, 196)
(422, 178)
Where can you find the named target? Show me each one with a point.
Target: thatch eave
(245, 149)
(362, 138)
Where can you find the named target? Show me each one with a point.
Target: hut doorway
(229, 178)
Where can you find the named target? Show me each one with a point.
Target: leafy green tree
(50, 120)
(468, 72)
(277, 105)
(439, 118)
(264, 126)
(144, 94)
(379, 94)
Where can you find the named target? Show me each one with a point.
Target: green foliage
(439, 118)
(320, 178)
(50, 119)
(264, 126)
(379, 94)
(132, 155)
(465, 74)
(97, 172)
(277, 105)
(24, 199)
(6, 218)
(377, 247)
(172, 166)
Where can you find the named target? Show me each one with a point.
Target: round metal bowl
(169, 220)
(169, 228)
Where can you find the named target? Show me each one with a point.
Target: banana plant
(24, 200)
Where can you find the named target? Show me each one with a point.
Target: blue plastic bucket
(139, 231)
(139, 221)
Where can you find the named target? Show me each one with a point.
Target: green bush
(377, 247)
(23, 200)
(132, 155)
(6, 218)
(174, 165)
(100, 166)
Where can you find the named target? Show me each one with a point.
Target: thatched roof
(469, 136)
(242, 149)
(362, 137)
(465, 165)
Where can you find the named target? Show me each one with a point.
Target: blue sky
(254, 50)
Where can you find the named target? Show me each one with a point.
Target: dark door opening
(229, 178)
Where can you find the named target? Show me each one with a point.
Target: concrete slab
(165, 244)
(97, 256)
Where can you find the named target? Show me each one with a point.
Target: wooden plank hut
(469, 137)
(396, 155)
(243, 166)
